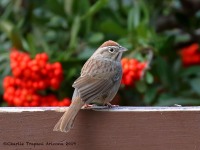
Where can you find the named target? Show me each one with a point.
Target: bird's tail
(67, 120)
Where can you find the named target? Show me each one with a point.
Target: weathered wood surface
(122, 128)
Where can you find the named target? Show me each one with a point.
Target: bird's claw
(94, 106)
(109, 105)
(88, 106)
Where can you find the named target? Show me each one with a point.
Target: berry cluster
(132, 71)
(190, 55)
(31, 77)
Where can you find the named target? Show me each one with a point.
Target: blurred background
(44, 44)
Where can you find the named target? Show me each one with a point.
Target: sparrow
(98, 83)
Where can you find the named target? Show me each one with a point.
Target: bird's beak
(123, 49)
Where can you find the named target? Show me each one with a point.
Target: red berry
(17, 101)
(31, 76)
(16, 72)
(190, 55)
(132, 71)
(44, 57)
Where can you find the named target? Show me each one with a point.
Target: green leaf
(141, 86)
(68, 6)
(150, 95)
(6, 26)
(25, 45)
(149, 78)
(86, 53)
(3, 57)
(164, 71)
(31, 43)
(109, 26)
(193, 70)
(74, 32)
(182, 38)
(145, 9)
(9, 8)
(96, 37)
(136, 13)
(12, 32)
(133, 18)
(16, 38)
(165, 96)
(40, 40)
(95, 8)
(195, 84)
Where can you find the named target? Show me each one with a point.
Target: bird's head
(109, 50)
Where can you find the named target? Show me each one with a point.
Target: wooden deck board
(120, 128)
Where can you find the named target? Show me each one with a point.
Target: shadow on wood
(142, 128)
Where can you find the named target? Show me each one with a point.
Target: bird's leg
(88, 106)
(109, 105)
(95, 106)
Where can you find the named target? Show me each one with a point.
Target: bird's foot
(88, 106)
(109, 105)
(95, 106)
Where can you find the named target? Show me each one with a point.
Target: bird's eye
(111, 50)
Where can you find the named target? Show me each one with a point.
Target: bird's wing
(89, 89)
(97, 78)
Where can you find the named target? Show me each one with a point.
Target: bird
(98, 83)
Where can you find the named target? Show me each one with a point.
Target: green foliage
(70, 30)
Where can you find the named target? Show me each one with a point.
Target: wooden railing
(120, 128)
